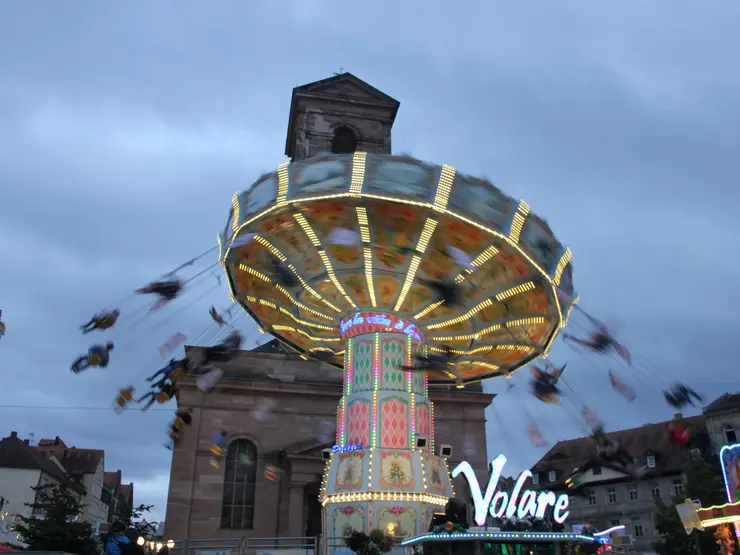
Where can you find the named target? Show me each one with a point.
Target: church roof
(341, 87)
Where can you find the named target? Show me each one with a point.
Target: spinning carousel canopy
(361, 232)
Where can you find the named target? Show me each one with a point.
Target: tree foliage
(53, 524)
(703, 482)
(134, 520)
(374, 544)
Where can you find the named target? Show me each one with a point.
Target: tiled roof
(112, 479)
(57, 441)
(76, 461)
(127, 492)
(15, 453)
(726, 402)
(650, 439)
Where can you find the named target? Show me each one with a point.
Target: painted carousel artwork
(403, 274)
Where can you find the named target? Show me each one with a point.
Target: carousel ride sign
(520, 503)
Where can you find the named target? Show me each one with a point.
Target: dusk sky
(126, 127)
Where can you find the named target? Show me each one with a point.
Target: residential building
(87, 466)
(604, 495)
(118, 497)
(722, 417)
(22, 468)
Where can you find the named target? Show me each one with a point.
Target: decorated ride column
(383, 472)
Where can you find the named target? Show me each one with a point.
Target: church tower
(341, 114)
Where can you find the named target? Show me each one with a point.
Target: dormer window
(596, 470)
(535, 478)
(730, 434)
(651, 461)
(551, 476)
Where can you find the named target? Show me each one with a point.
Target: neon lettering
(561, 505)
(346, 448)
(498, 504)
(380, 320)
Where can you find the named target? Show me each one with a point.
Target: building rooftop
(724, 403)
(17, 453)
(112, 480)
(127, 492)
(565, 457)
(76, 461)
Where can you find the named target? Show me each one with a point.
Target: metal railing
(214, 546)
(298, 545)
(337, 546)
(264, 546)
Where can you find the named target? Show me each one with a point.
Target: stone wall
(317, 120)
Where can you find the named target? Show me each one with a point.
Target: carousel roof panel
(403, 223)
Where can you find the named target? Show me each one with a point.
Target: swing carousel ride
(402, 274)
(339, 246)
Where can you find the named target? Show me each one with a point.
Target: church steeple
(340, 114)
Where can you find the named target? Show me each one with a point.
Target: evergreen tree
(701, 482)
(55, 528)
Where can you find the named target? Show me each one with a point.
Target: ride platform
(488, 542)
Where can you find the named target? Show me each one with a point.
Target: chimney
(57, 440)
(678, 416)
(13, 434)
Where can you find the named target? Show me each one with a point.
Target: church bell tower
(341, 115)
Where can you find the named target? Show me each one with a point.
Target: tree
(134, 520)
(702, 482)
(56, 527)
(374, 544)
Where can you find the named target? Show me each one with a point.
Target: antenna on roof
(341, 70)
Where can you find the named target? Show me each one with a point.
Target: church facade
(278, 410)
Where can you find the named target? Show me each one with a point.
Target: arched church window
(344, 141)
(237, 510)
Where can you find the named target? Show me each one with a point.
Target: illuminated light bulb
(140, 541)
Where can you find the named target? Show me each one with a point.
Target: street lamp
(155, 546)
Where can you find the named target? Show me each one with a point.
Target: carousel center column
(382, 472)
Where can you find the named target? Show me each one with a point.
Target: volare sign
(498, 503)
(371, 322)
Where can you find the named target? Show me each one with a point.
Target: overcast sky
(125, 128)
